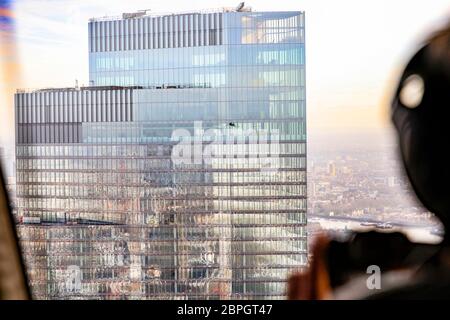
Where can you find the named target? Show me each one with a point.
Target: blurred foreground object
(338, 263)
(13, 282)
(421, 115)
(314, 283)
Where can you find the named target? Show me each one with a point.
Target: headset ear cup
(421, 116)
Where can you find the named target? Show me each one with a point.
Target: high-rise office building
(180, 172)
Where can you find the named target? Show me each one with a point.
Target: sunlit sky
(354, 49)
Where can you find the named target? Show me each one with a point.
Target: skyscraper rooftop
(149, 13)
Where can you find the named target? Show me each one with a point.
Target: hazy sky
(354, 48)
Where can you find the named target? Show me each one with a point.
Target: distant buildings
(369, 185)
(391, 182)
(111, 201)
(332, 169)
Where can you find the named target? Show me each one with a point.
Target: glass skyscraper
(180, 172)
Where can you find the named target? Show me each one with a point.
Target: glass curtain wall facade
(107, 210)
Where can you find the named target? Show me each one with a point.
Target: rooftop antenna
(240, 6)
(76, 83)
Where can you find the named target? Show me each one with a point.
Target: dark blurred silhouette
(13, 280)
(421, 115)
(421, 110)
